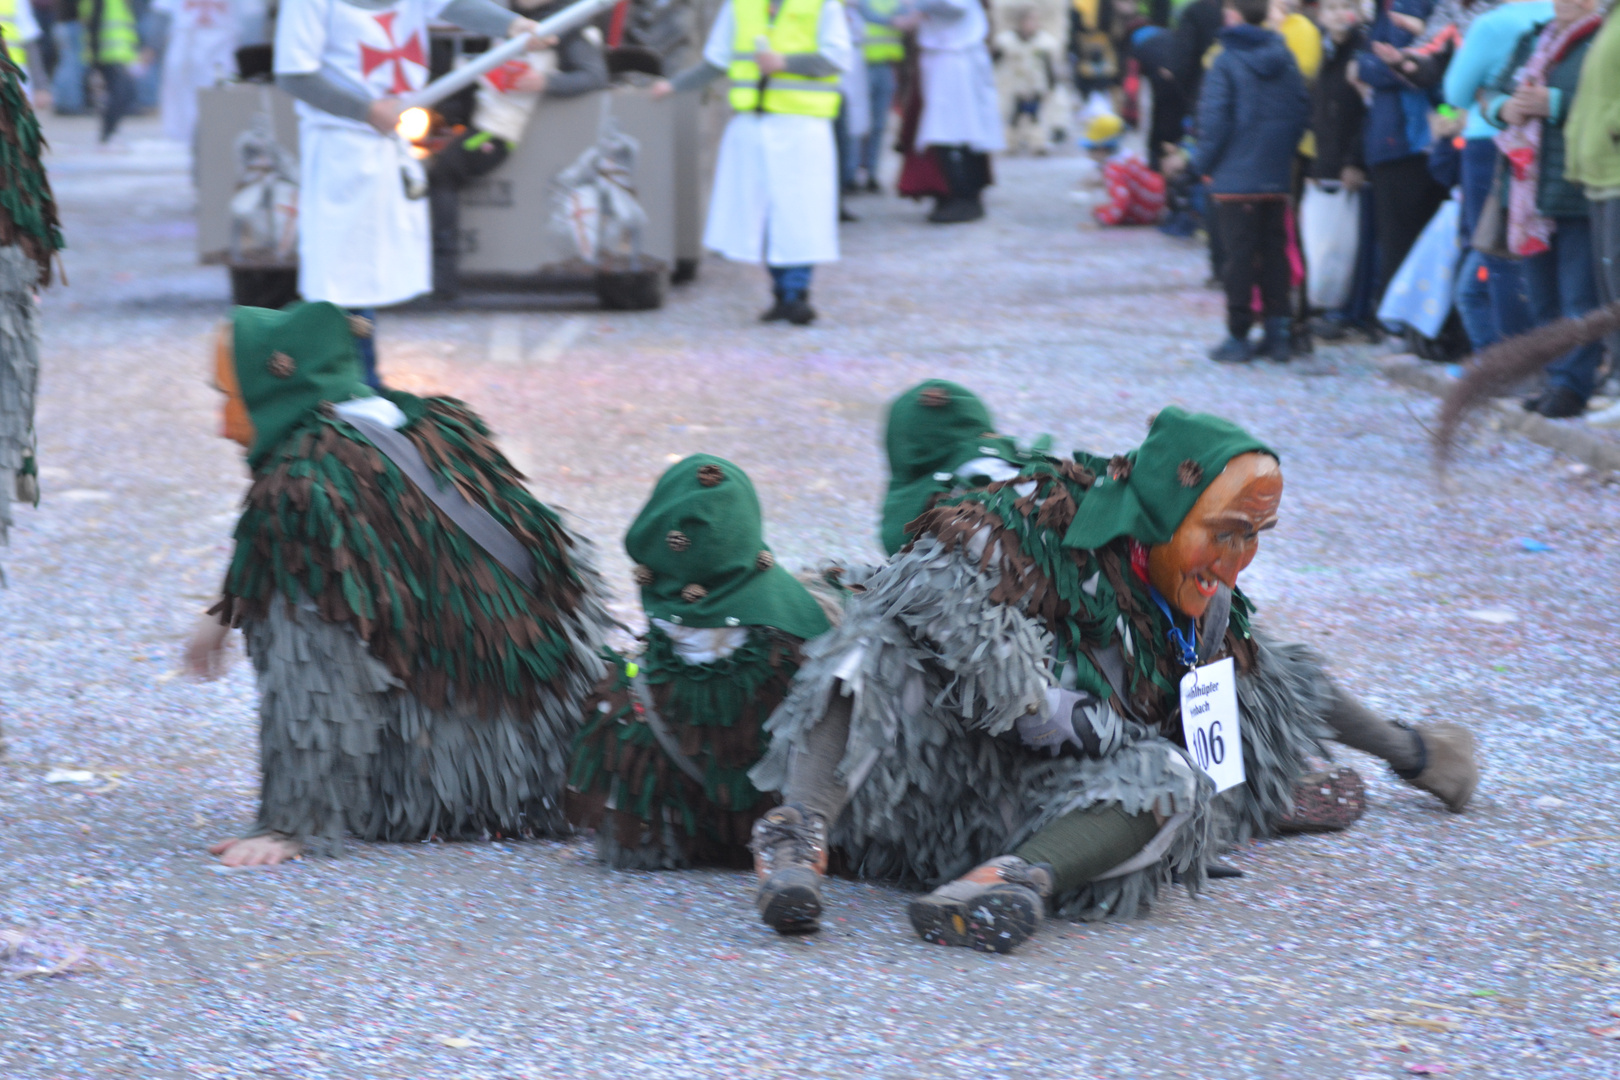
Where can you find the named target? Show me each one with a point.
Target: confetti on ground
(551, 967)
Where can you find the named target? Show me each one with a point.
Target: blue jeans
(1561, 286)
(1492, 304)
(367, 348)
(1491, 299)
(880, 88)
(791, 282)
(67, 83)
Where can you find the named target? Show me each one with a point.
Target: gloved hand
(1053, 728)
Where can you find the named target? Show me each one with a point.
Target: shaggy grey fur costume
(19, 370)
(939, 675)
(345, 747)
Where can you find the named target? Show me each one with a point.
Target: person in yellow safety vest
(111, 44)
(775, 197)
(884, 49)
(21, 31)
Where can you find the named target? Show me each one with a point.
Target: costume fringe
(330, 518)
(345, 747)
(19, 373)
(940, 670)
(28, 219)
(1502, 366)
(647, 812)
(1282, 701)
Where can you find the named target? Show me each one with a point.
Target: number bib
(1209, 720)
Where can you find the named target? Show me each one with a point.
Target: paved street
(1484, 945)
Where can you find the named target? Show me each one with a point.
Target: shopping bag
(1419, 296)
(1330, 232)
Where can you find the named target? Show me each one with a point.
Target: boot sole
(1003, 920)
(795, 909)
(940, 923)
(997, 922)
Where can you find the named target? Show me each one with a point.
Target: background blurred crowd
(1441, 169)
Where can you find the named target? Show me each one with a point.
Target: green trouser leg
(1084, 844)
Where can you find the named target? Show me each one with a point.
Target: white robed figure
(775, 196)
(201, 52)
(961, 116)
(363, 241)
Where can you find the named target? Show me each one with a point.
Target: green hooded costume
(29, 239)
(411, 685)
(671, 789)
(1009, 596)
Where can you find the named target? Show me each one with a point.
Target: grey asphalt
(1418, 942)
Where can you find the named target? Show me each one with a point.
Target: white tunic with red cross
(361, 242)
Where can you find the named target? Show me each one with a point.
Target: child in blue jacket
(1252, 111)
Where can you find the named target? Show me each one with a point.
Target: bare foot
(257, 850)
(206, 656)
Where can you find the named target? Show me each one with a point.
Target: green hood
(932, 429)
(700, 554)
(1146, 493)
(288, 363)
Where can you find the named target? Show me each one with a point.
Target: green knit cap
(700, 554)
(290, 361)
(933, 429)
(1146, 493)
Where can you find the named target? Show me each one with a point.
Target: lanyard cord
(1188, 642)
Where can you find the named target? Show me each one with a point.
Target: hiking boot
(1326, 802)
(1449, 770)
(1560, 403)
(798, 311)
(995, 907)
(790, 856)
(1232, 351)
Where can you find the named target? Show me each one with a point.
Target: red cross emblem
(205, 11)
(372, 59)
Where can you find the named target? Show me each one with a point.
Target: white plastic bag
(1419, 296)
(1330, 233)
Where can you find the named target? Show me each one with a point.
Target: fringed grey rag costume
(1020, 624)
(29, 237)
(424, 632)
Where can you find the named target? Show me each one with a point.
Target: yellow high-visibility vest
(793, 31)
(120, 44)
(8, 23)
(884, 44)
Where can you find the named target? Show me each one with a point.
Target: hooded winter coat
(1251, 116)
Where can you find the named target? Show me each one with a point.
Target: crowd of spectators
(1465, 150)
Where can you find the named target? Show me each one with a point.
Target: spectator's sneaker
(1560, 402)
(790, 857)
(993, 908)
(1533, 403)
(872, 186)
(1232, 351)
